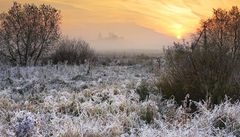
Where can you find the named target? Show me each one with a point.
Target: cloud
(170, 17)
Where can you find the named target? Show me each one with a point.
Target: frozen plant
(24, 124)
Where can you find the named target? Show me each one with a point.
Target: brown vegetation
(209, 66)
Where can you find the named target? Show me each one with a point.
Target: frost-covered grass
(64, 101)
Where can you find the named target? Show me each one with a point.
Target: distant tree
(27, 32)
(210, 65)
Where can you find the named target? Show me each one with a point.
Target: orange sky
(133, 24)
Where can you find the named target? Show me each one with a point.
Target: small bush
(24, 124)
(143, 91)
(72, 52)
(72, 108)
(148, 115)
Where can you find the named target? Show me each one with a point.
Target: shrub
(143, 91)
(71, 108)
(148, 115)
(24, 124)
(73, 52)
(200, 73)
(208, 67)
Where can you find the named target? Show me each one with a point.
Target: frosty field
(63, 101)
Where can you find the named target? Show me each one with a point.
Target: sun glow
(178, 30)
(179, 36)
(176, 18)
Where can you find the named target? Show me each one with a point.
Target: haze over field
(130, 24)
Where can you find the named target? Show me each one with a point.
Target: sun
(179, 36)
(177, 29)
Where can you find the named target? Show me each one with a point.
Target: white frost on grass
(63, 100)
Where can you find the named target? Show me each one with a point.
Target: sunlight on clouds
(171, 17)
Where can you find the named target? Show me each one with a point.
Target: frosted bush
(24, 124)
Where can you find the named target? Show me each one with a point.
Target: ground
(61, 100)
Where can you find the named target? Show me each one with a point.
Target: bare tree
(27, 32)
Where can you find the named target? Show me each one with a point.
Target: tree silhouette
(27, 32)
